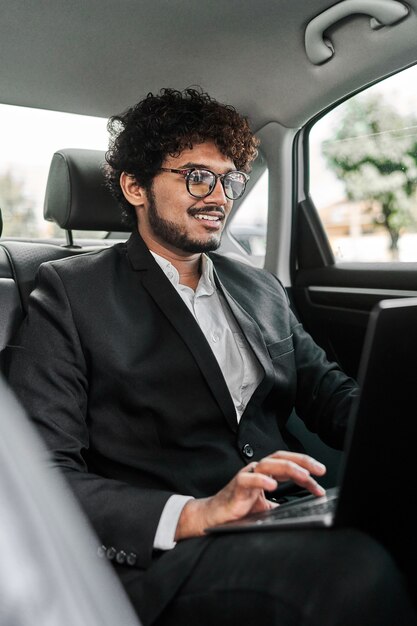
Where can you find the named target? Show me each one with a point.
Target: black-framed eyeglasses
(201, 182)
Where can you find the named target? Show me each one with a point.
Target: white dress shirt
(238, 363)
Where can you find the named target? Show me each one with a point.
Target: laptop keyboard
(325, 505)
(304, 509)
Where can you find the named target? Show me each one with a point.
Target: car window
(363, 172)
(29, 137)
(249, 224)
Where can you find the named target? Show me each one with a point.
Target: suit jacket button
(131, 558)
(121, 556)
(111, 553)
(101, 551)
(248, 451)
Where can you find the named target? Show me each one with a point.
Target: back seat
(76, 198)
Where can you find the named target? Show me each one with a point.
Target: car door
(332, 287)
(355, 237)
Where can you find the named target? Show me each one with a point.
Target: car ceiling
(97, 57)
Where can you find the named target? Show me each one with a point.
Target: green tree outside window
(374, 153)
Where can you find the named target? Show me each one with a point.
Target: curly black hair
(166, 124)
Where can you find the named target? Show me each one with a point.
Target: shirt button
(215, 337)
(170, 275)
(248, 451)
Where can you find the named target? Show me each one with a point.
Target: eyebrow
(202, 166)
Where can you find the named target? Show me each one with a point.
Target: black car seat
(76, 198)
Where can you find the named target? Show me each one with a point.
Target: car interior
(47, 572)
(298, 70)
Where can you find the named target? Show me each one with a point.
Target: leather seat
(76, 198)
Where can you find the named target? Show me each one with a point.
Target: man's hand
(245, 493)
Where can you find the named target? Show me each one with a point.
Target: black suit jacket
(129, 397)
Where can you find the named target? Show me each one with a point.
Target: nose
(217, 196)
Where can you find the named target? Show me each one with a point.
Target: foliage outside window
(249, 225)
(17, 206)
(363, 159)
(29, 137)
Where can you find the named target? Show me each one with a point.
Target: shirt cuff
(165, 533)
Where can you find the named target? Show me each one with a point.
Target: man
(162, 378)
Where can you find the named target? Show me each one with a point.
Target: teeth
(210, 218)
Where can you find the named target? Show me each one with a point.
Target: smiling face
(169, 216)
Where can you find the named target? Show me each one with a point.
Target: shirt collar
(206, 285)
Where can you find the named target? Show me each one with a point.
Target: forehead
(204, 154)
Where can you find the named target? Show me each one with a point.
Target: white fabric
(165, 533)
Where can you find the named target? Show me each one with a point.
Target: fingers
(304, 460)
(245, 492)
(248, 478)
(284, 465)
(238, 497)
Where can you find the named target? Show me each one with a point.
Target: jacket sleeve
(324, 392)
(46, 367)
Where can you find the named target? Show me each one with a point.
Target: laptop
(378, 473)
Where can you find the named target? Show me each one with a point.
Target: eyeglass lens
(202, 182)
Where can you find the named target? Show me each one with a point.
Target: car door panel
(334, 300)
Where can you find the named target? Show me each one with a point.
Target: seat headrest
(76, 197)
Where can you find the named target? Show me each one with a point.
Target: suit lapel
(172, 306)
(253, 335)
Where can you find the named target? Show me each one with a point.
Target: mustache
(210, 209)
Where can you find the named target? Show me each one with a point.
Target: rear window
(29, 137)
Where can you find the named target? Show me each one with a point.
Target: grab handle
(382, 13)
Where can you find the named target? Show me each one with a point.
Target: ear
(133, 193)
